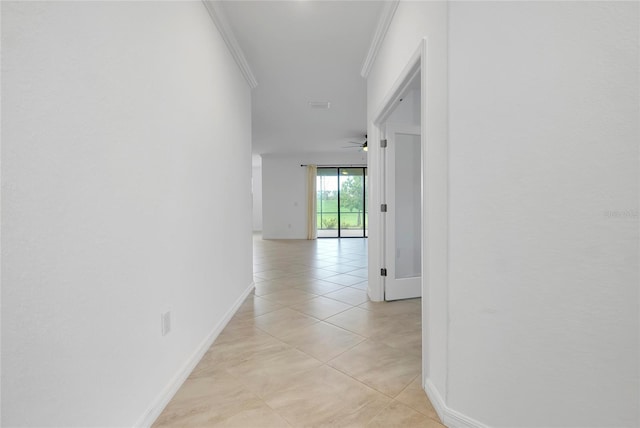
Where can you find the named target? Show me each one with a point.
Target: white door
(403, 224)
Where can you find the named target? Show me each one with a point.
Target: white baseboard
(435, 398)
(449, 417)
(158, 405)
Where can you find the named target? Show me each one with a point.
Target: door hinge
(383, 208)
(383, 272)
(383, 143)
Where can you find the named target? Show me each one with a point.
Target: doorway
(401, 167)
(341, 205)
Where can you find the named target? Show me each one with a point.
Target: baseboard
(435, 398)
(449, 417)
(158, 405)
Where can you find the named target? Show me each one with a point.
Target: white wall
(411, 23)
(407, 112)
(531, 313)
(544, 144)
(126, 173)
(257, 197)
(284, 190)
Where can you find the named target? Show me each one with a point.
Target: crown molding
(386, 15)
(221, 21)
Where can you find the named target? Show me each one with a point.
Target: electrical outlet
(165, 322)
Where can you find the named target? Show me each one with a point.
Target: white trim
(222, 23)
(375, 288)
(161, 401)
(426, 171)
(448, 416)
(386, 15)
(390, 102)
(435, 398)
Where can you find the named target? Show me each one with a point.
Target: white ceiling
(303, 51)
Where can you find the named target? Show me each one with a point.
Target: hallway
(309, 349)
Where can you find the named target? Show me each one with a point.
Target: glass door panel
(408, 208)
(366, 203)
(327, 203)
(351, 202)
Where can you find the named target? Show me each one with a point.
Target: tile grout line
(297, 280)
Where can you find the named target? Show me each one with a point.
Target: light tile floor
(308, 349)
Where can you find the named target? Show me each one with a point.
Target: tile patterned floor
(308, 349)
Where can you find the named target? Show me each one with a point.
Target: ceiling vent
(323, 105)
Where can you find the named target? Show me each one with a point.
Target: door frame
(365, 205)
(435, 227)
(376, 130)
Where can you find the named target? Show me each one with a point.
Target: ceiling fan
(356, 145)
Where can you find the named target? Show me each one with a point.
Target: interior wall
(256, 184)
(126, 171)
(284, 188)
(412, 22)
(407, 112)
(544, 213)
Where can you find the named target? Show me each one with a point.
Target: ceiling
(301, 52)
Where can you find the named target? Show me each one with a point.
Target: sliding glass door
(342, 202)
(327, 203)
